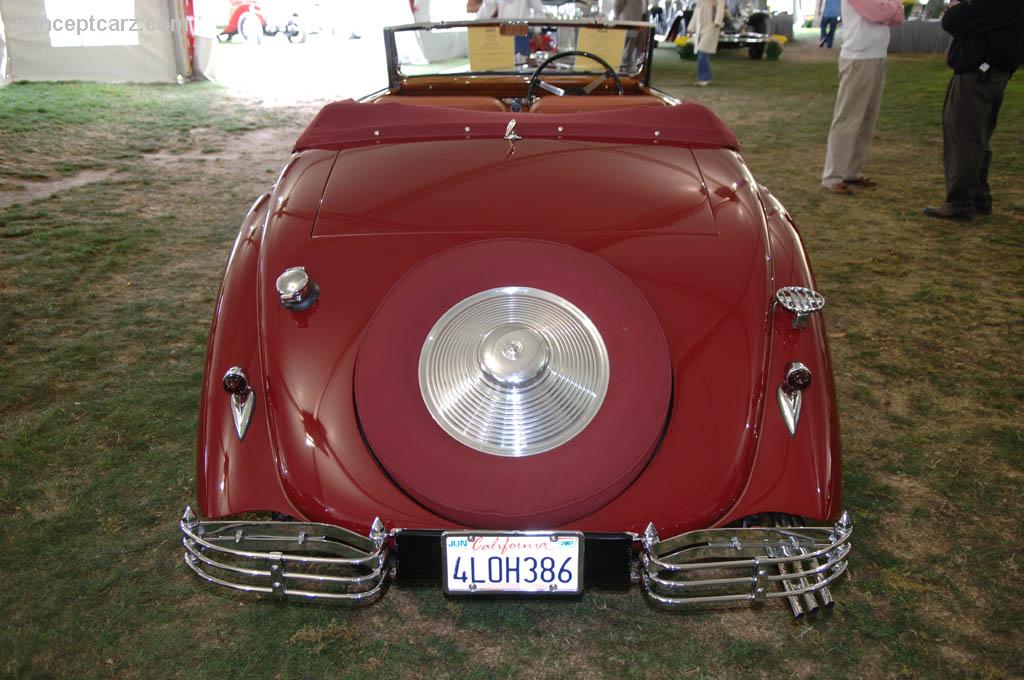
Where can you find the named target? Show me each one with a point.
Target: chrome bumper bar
(290, 560)
(306, 561)
(742, 38)
(716, 566)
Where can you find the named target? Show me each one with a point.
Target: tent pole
(180, 13)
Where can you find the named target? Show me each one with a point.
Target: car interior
(547, 104)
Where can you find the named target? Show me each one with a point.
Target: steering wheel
(536, 82)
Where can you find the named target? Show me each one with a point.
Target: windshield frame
(396, 77)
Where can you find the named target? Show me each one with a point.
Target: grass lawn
(106, 292)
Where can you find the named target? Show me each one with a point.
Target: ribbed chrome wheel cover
(514, 371)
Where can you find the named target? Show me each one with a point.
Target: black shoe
(948, 211)
(983, 208)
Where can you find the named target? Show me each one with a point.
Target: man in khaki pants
(861, 81)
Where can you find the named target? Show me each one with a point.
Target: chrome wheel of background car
(294, 31)
(250, 27)
(513, 371)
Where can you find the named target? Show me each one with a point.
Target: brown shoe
(862, 181)
(948, 211)
(837, 188)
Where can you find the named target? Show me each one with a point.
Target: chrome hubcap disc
(513, 371)
(514, 355)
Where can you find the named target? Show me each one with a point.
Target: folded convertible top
(349, 123)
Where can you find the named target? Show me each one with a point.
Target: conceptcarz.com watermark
(93, 24)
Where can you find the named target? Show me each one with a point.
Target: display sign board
(606, 43)
(489, 50)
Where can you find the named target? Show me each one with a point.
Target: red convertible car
(523, 324)
(253, 20)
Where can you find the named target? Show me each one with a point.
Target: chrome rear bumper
(716, 566)
(306, 561)
(291, 560)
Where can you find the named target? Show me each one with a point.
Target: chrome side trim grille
(716, 566)
(290, 560)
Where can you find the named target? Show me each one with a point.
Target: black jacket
(985, 32)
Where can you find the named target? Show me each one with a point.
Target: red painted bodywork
(238, 8)
(552, 489)
(691, 228)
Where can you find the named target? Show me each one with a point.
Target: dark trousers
(828, 30)
(968, 120)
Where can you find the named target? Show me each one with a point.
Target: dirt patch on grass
(264, 147)
(34, 191)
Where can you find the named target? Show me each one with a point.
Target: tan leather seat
(453, 102)
(580, 103)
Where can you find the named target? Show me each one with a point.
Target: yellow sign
(489, 50)
(606, 43)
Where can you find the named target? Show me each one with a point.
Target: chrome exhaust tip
(795, 604)
(823, 593)
(810, 602)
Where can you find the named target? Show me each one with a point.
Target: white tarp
(100, 40)
(4, 77)
(343, 57)
(440, 45)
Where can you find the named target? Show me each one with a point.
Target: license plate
(513, 562)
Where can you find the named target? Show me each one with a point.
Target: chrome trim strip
(241, 398)
(599, 22)
(790, 405)
(241, 411)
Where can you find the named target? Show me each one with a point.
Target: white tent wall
(47, 40)
(4, 76)
(443, 44)
(330, 64)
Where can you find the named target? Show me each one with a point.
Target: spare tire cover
(552, 487)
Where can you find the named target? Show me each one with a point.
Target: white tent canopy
(4, 75)
(100, 40)
(170, 40)
(151, 40)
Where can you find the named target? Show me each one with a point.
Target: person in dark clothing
(988, 46)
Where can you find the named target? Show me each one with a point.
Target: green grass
(105, 297)
(48, 130)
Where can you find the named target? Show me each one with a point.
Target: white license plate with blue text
(513, 562)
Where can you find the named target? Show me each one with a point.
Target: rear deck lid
(490, 186)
